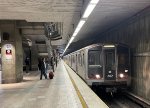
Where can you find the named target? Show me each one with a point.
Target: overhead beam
(31, 27)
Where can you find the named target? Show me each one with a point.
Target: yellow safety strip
(84, 105)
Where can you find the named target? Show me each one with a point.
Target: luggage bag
(51, 75)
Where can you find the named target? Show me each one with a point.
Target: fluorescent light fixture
(109, 46)
(67, 45)
(79, 26)
(94, 1)
(81, 23)
(74, 34)
(66, 48)
(88, 10)
(77, 30)
(70, 41)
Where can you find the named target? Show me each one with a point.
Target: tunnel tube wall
(135, 32)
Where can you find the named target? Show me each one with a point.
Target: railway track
(142, 102)
(123, 100)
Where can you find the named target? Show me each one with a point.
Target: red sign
(8, 52)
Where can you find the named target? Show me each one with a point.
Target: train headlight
(97, 76)
(121, 75)
(126, 70)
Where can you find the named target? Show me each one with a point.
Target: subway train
(103, 65)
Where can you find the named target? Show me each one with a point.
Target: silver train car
(103, 65)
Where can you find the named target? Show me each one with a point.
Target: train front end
(108, 67)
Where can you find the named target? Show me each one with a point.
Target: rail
(138, 100)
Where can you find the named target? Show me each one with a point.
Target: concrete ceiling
(37, 12)
(34, 13)
(109, 13)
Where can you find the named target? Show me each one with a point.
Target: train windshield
(94, 64)
(94, 57)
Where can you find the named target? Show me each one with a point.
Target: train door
(109, 63)
(76, 64)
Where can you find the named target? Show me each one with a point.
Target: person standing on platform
(46, 64)
(42, 68)
(52, 63)
(56, 61)
(27, 61)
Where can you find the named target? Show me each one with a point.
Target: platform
(56, 93)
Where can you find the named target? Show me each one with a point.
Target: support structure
(11, 53)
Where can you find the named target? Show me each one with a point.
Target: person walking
(42, 68)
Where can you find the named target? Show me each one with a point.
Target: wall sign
(8, 51)
(8, 46)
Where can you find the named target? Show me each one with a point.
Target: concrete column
(12, 61)
(34, 56)
(49, 47)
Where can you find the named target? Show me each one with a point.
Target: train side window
(73, 59)
(83, 59)
(79, 58)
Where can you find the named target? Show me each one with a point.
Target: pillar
(34, 56)
(11, 52)
(49, 47)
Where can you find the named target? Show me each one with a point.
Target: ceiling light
(94, 1)
(70, 41)
(77, 30)
(81, 23)
(79, 26)
(74, 34)
(88, 10)
(109, 46)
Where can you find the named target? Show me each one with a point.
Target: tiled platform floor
(34, 93)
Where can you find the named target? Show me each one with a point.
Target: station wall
(135, 32)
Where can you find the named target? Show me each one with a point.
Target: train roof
(98, 44)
